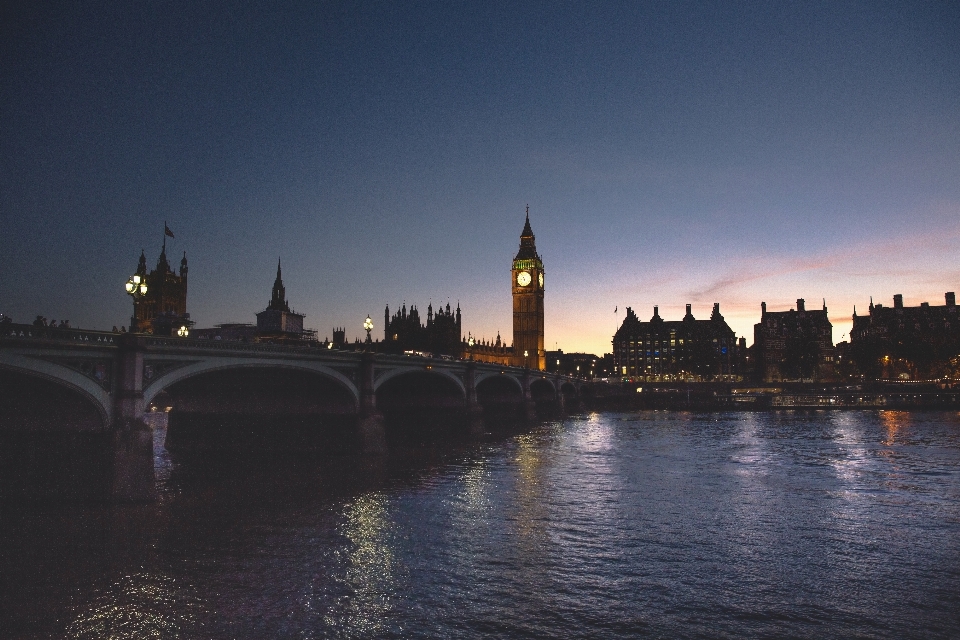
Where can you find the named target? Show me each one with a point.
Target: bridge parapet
(30, 333)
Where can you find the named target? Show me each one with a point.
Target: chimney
(800, 304)
(898, 301)
(951, 299)
(688, 308)
(763, 309)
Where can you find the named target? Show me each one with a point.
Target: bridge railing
(24, 332)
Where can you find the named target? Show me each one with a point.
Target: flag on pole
(166, 230)
(616, 308)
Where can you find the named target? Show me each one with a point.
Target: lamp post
(470, 343)
(137, 288)
(183, 331)
(368, 325)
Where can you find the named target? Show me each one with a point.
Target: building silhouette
(907, 342)
(528, 273)
(687, 349)
(277, 323)
(405, 331)
(442, 333)
(793, 345)
(163, 309)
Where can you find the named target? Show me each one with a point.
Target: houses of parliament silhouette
(164, 307)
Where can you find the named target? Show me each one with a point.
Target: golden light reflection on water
(531, 513)
(141, 605)
(371, 568)
(893, 422)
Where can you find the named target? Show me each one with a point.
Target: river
(608, 525)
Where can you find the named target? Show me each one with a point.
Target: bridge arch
(409, 387)
(257, 406)
(405, 371)
(166, 380)
(55, 437)
(569, 389)
(63, 377)
(485, 378)
(542, 388)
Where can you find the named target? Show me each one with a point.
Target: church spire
(278, 299)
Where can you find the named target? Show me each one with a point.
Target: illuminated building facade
(793, 345)
(919, 342)
(163, 309)
(688, 349)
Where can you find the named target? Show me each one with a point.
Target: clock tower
(527, 286)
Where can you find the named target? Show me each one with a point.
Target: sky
(671, 153)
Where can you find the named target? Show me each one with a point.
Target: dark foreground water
(655, 524)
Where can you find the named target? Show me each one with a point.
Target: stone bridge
(95, 387)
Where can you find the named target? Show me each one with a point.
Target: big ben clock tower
(528, 348)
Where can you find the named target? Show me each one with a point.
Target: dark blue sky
(670, 153)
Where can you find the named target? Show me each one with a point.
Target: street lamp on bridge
(137, 288)
(368, 325)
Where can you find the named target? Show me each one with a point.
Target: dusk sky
(670, 153)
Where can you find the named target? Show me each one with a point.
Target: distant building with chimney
(793, 345)
(906, 342)
(687, 349)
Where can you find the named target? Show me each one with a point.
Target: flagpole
(164, 236)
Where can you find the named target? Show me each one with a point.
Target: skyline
(670, 153)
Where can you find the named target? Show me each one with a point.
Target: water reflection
(140, 605)
(892, 422)
(655, 524)
(528, 509)
(372, 571)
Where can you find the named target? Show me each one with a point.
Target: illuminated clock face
(523, 278)
(541, 279)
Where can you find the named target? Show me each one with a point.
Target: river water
(611, 525)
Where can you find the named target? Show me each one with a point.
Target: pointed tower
(528, 272)
(278, 297)
(277, 323)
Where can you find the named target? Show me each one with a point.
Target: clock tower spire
(528, 350)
